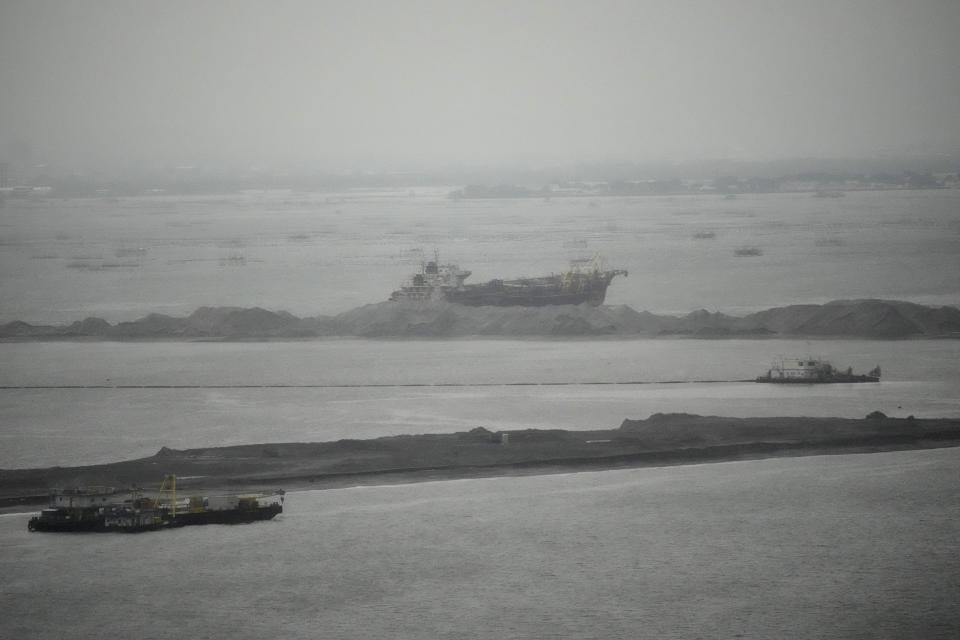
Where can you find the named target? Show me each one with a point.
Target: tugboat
(106, 509)
(584, 282)
(813, 371)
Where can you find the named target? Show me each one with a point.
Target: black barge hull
(831, 380)
(98, 524)
(570, 288)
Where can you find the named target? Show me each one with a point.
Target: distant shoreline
(858, 319)
(661, 440)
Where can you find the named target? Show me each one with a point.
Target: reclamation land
(660, 440)
(656, 441)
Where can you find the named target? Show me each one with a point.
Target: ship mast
(169, 487)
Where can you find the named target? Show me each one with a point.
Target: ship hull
(445, 282)
(843, 379)
(226, 516)
(55, 526)
(494, 299)
(536, 292)
(98, 524)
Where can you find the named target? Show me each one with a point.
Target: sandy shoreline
(661, 440)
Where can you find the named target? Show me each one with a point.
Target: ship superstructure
(586, 281)
(433, 282)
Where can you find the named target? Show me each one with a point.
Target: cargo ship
(106, 509)
(813, 371)
(584, 282)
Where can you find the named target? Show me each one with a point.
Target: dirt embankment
(841, 318)
(662, 439)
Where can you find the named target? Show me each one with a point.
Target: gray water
(506, 384)
(323, 253)
(822, 547)
(862, 546)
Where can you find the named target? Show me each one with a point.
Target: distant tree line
(724, 184)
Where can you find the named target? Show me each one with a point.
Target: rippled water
(824, 547)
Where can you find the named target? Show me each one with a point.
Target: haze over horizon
(417, 84)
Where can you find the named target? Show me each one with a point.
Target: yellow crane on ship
(167, 488)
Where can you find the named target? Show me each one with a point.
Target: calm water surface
(322, 253)
(823, 547)
(72, 426)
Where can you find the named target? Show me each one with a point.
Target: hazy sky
(404, 83)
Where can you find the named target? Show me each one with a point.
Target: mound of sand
(406, 319)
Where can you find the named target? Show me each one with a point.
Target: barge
(106, 509)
